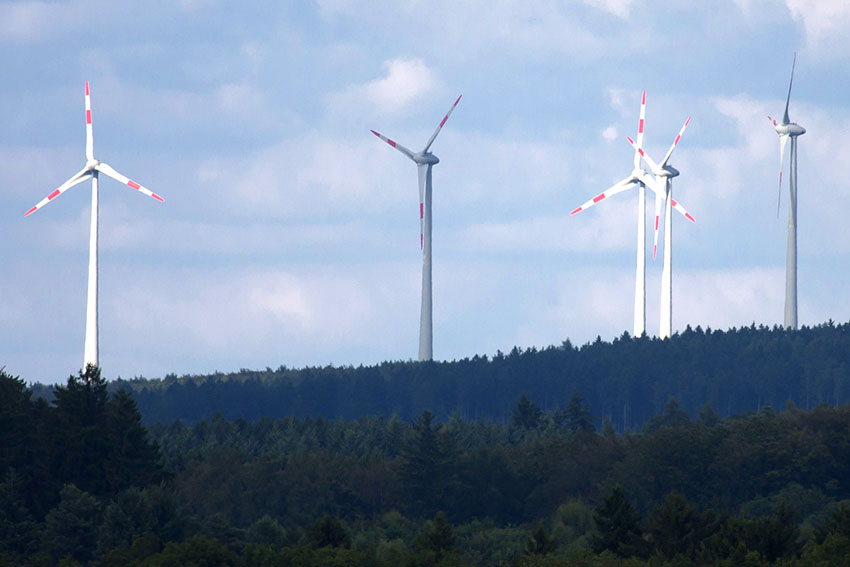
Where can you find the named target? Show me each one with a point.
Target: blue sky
(289, 234)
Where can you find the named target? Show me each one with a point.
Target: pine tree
(619, 526)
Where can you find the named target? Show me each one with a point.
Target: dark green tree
(541, 541)
(578, 417)
(526, 414)
(82, 442)
(329, 532)
(132, 459)
(619, 526)
(19, 534)
(428, 474)
(672, 527)
(71, 528)
(438, 538)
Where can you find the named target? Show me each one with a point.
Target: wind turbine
(424, 161)
(789, 130)
(666, 172)
(643, 180)
(92, 170)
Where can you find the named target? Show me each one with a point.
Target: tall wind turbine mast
(789, 130)
(667, 173)
(92, 169)
(424, 161)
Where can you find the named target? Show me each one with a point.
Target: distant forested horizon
(627, 380)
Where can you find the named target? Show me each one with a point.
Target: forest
(627, 380)
(86, 483)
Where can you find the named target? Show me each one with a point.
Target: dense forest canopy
(529, 471)
(627, 380)
(83, 484)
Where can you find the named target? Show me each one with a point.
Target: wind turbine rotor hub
(790, 129)
(426, 158)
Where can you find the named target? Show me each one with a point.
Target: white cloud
(610, 133)
(826, 23)
(405, 82)
(619, 8)
(33, 20)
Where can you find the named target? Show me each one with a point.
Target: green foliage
(526, 414)
(329, 532)
(619, 526)
(577, 414)
(71, 528)
(540, 542)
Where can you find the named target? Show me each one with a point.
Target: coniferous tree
(672, 526)
(619, 526)
(578, 417)
(540, 542)
(526, 414)
(82, 442)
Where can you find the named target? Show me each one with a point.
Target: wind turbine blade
(785, 119)
(107, 170)
(394, 144)
(640, 127)
(440, 127)
(640, 151)
(89, 137)
(659, 200)
(78, 177)
(678, 206)
(660, 190)
(773, 121)
(675, 142)
(783, 140)
(618, 187)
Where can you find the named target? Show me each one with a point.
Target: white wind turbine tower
(92, 170)
(666, 172)
(789, 130)
(424, 161)
(642, 179)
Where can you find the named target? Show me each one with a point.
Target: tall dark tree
(439, 538)
(619, 526)
(72, 526)
(133, 460)
(82, 443)
(428, 472)
(577, 414)
(19, 534)
(526, 414)
(541, 541)
(672, 527)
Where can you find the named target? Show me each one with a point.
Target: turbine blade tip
(31, 211)
(578, 210)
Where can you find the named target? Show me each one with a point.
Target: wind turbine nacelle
(790, 129)
(666, 171)
(426, 159)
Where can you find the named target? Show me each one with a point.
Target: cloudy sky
(289, 234)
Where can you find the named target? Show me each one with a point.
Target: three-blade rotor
(660, 171)
(93, 167)
(786, 129)
(423, 158)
